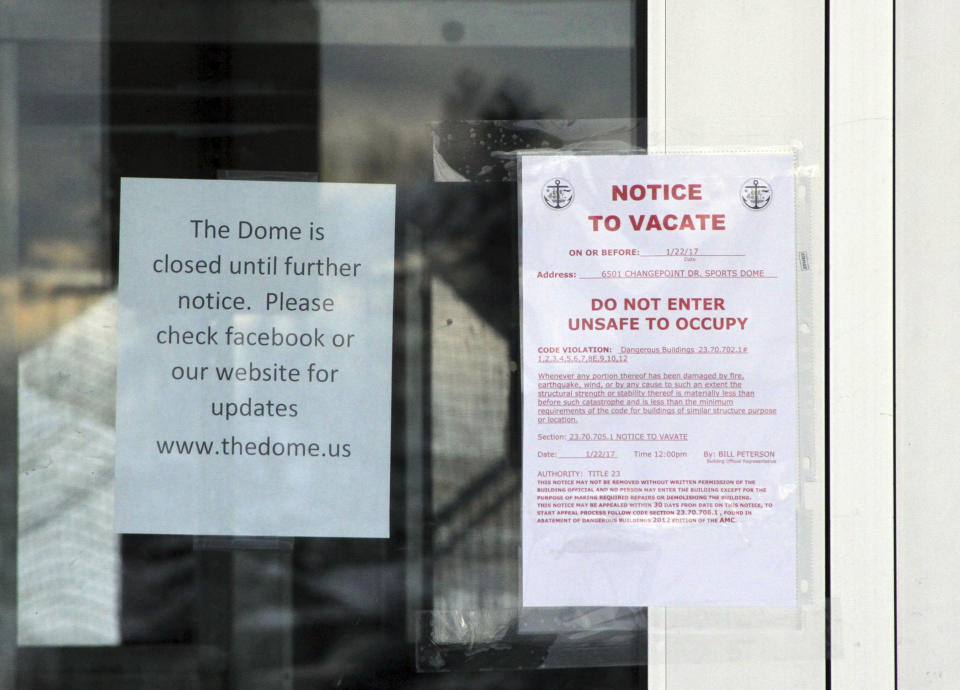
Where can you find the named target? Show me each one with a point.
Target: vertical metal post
(9, 253)
(414, 415)
(261, 656)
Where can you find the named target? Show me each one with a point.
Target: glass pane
(412, 94)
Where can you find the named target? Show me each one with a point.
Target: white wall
(928, 328)
(740, 74)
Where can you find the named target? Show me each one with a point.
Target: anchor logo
(557, 193)
(756, 194)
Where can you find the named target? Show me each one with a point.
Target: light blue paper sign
(255, 345)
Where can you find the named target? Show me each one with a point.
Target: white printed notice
(659, 380)
(254, 372)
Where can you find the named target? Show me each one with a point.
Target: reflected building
(68, 554)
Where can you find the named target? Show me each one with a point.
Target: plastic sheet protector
(659, 369)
